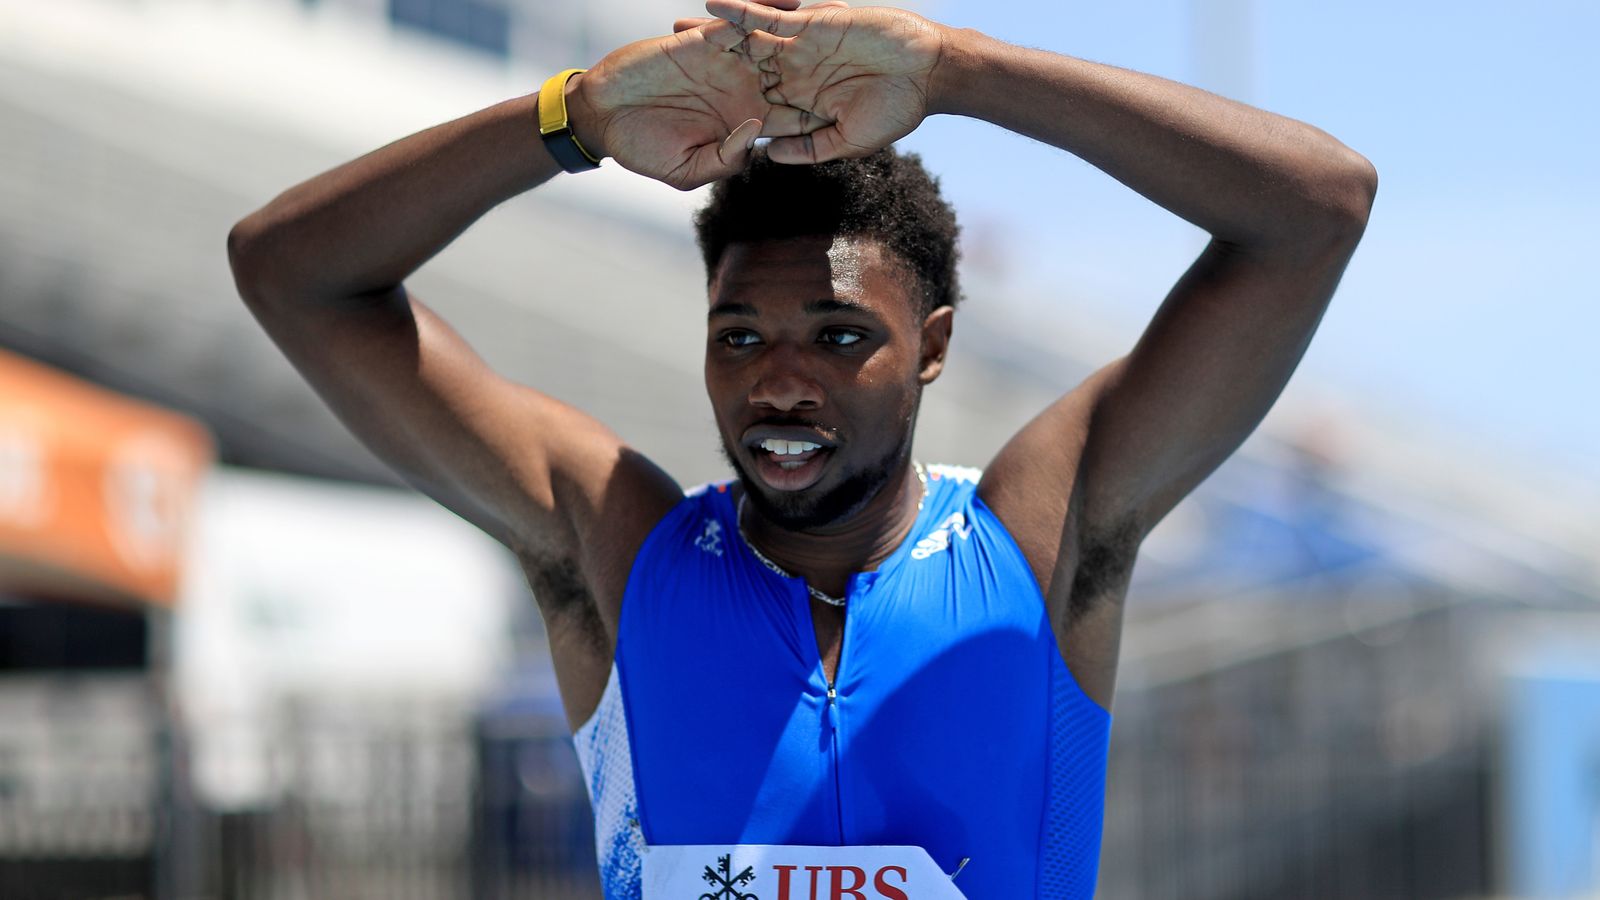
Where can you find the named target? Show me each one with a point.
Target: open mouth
(789, 465)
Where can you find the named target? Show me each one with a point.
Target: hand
(681, 109)
(695, 21)
(863, 75)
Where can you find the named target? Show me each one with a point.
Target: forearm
(1249, 177)
(368, 224)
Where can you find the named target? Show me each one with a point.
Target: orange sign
(96, 489)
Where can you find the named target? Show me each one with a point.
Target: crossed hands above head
(863, 76)
(824, 82)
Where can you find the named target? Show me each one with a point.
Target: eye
(841, 337)
(738, 337)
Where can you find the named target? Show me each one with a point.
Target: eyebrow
(818, 307)
(835, 305)
(731, 309)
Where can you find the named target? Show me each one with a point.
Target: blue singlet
(956, 728)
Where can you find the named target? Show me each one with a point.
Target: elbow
(260, 262)
(1352, 186)
(245, 240)
(1333, 205)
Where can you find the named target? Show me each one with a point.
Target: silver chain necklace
(738, 518)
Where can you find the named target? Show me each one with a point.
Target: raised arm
(323, 268)
(1285, 204)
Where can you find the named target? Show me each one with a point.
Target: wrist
(582, 117)
(959, 69)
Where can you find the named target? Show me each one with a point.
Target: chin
(829, 502)
(815, 507)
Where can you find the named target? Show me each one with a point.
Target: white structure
(315, 595)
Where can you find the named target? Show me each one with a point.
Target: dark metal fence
(1353, 766)
(407, 802)
(80, 785)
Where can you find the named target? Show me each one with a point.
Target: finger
(759, 45)
(829, 4)
(709, 162)
(786, 121)
(723, 35)
(734, 151)
(750, 16)
(687, 24)
(818, 146)
(782, 4)
(774, 94)
(754, 45)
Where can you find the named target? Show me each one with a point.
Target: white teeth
(787, 448)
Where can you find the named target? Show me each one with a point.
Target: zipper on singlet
(833, 726)
(831, 713)
(833, 738)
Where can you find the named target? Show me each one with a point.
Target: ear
(935, 343)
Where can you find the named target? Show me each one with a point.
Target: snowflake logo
(710, 540)
(726, 882)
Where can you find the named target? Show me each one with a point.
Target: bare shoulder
(1035, 483)
(564, 492)
(613, 504)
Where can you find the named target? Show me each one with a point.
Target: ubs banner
(770, 872)
(96, 489)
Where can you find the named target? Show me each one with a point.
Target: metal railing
(1354, 765)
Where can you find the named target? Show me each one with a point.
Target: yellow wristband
(556, 130)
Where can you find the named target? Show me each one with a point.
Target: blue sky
(1471, 303)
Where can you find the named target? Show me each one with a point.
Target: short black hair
(887, 196)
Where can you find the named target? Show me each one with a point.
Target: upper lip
(754, 436)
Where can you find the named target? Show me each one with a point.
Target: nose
(785, 390)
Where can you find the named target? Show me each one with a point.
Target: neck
(826, 557)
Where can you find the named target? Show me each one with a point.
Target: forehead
(762, 274)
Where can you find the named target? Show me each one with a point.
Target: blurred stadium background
(238, 661)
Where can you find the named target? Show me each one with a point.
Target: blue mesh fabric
(1069, 854)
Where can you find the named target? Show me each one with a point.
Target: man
(839, 647)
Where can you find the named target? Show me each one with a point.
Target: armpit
(565, 601)
(1102, 571)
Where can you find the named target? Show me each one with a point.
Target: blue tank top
(955, 726)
